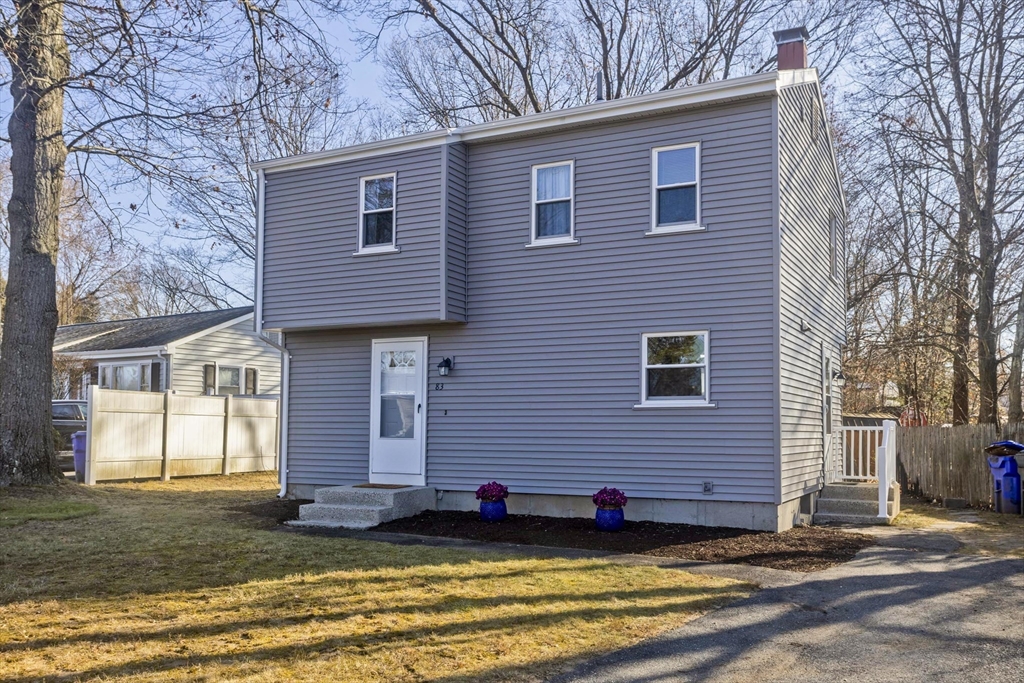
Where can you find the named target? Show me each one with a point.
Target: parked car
(68, 418)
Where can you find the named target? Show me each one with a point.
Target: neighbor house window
(377, 213)
(676, 188)
(553, 203)
(675, 369)
(229, 380)
(130, 376)
(252, 381)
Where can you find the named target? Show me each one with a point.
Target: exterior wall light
(445, 366)
(838, 378)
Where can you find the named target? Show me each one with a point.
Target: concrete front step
(840, 506)
(352, 507)
(827, 518)
(850, 491)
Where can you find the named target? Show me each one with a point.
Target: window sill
(676, 229)
(377, 251)
(552, 242)
(654, 405)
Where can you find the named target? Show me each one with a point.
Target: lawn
(179, 581)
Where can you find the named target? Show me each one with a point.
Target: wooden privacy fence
(136, 435)
(950, 462)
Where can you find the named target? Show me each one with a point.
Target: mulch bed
(802, 549)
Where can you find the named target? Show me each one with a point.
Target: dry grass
(979, 531)
(170, 582)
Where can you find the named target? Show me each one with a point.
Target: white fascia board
(172, 347)
(116, 353)
(405, 143)
(642, 105)
(663, 101)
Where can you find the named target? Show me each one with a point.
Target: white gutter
(115, 353)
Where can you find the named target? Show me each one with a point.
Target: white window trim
(674, 228)
(378, 248)
(216, 377)
(702, 402)
(560, 239)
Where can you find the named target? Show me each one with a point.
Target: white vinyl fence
(137, 435)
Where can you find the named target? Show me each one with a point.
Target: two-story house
(645, 293)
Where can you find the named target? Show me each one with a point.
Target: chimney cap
(791, 35)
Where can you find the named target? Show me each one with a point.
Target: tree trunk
(39, 69)
(961, 393)
(988, 364)
(1016, 414)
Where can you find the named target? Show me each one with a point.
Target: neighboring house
(210, 352)
(645, 293)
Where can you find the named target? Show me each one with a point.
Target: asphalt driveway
(895, 613)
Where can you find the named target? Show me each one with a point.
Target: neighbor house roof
(142, 333)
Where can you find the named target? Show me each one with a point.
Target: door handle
(418, 407)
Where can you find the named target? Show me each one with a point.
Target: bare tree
(467, 61)
(952, 76)
(121, 81)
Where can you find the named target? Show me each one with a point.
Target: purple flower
(609, 498)
(492, 493)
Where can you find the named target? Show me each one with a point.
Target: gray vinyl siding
(235, 346)
(311, 231)
(808, 194)
(547, 368)
(455, 254)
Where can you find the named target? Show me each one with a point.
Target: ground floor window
(674, 368)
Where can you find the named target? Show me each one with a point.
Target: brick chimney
(792, 43)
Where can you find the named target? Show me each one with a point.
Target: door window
(398, 394)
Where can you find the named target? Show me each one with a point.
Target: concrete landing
(354, 507)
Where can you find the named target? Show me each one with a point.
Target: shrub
(609, 498)
(492, 493)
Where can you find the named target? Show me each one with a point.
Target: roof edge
(609, 110)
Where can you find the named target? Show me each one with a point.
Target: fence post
(226, 469)
(165, 451)
(90, 425)
(883, 462)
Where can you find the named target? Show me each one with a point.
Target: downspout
(286, 357)
(282, 446)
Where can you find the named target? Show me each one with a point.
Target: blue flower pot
(610, 520)
(493, 512)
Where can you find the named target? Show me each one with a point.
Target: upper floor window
(377, 213)
(676, 188)
(675, 369)
(552, 220)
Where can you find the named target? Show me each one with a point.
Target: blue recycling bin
(78, 447)
(1005, 476)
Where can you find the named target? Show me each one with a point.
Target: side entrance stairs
(362, 507)
(854, 503)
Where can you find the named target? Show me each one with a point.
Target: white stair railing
(858, 457)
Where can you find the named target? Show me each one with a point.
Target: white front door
(398, 411)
